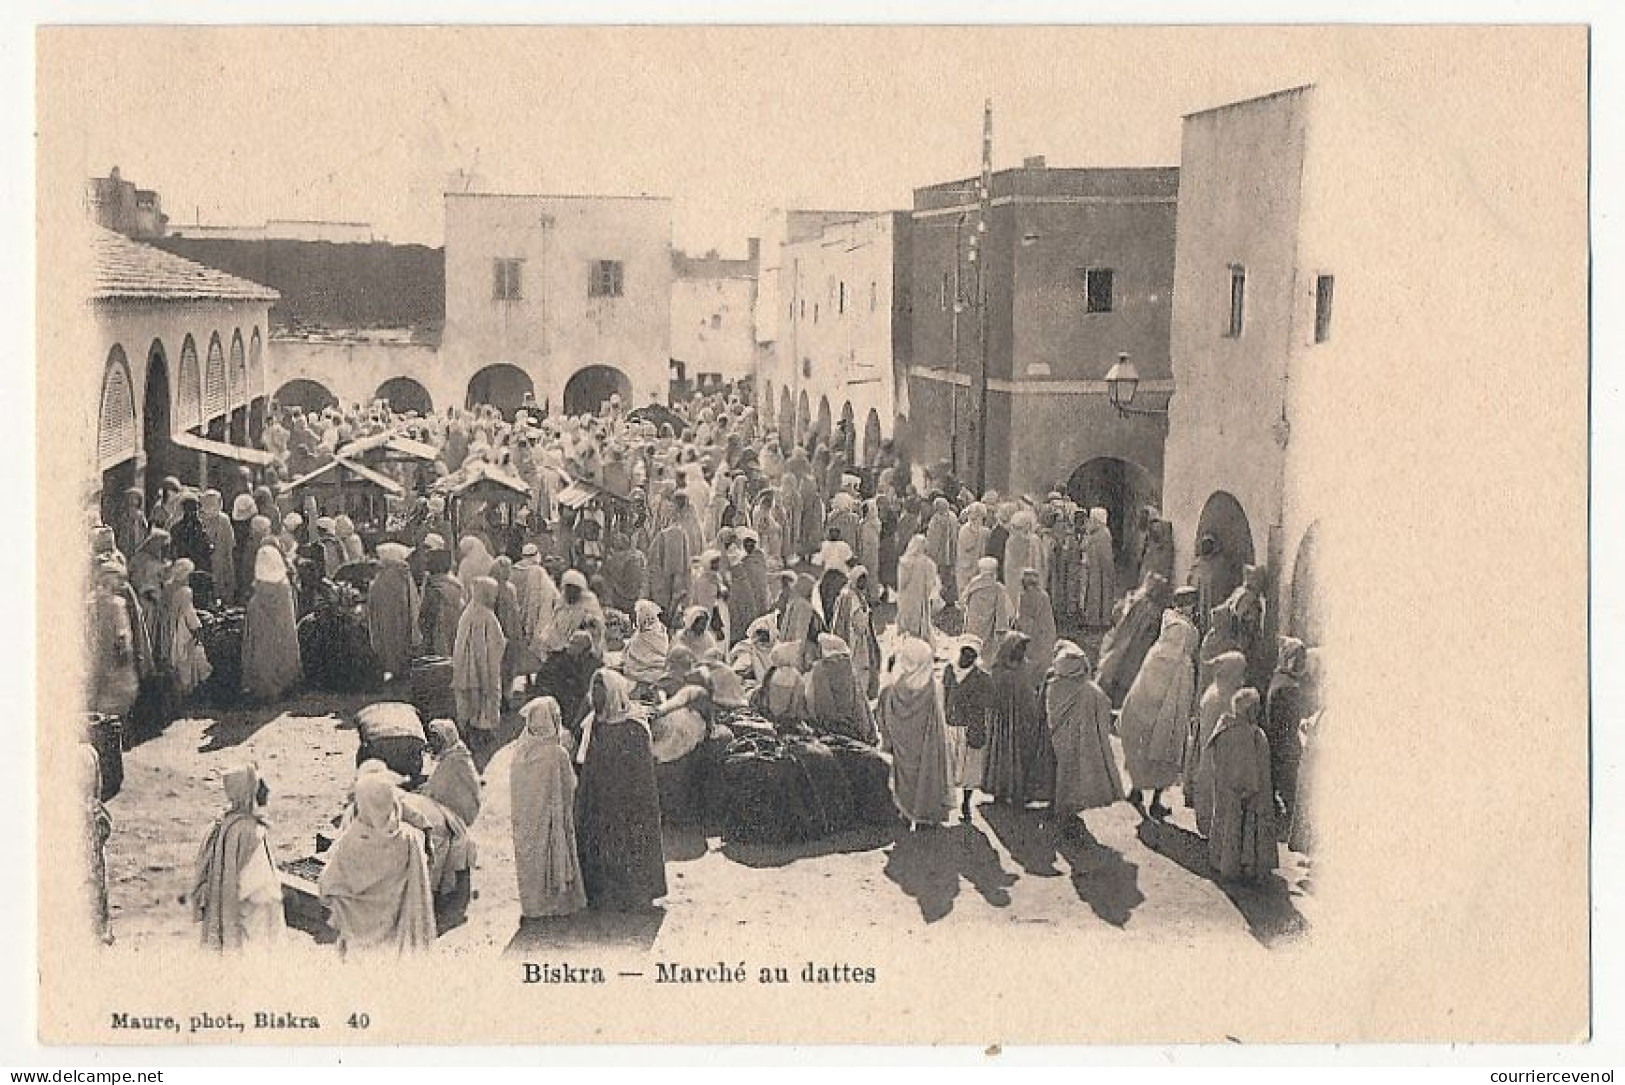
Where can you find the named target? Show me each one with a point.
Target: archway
(787, 420)
(1224, 519)
(821, 427)
(1304, 610)
(216, 389)
(162, 455)
(239, 390)
(116, 433)
(502, 386)
(871, 438)
(590, 388)
(403, 394)
(847, 433)
(256, 366)
(189, 389)
(309, 396)
(1122, 488)
(803, 417)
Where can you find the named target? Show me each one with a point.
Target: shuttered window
(115, 430)
(239, 372)
(214, 382)
(189, 396)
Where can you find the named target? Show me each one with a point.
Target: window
(803, 308)
(841, 303)
(806, 367)
(1238, 300)
(815, 312)
(505, 279)
(1097, 289)
(1323, 308)
(874, 295)
(716, 321)
(605, 281)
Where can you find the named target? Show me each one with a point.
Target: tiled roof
(128, 269)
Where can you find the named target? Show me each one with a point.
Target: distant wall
(328, 285)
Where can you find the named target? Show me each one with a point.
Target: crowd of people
(717, 562)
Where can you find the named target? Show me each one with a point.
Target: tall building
(116, 204)
(843, 295)
(1071, 268)
(567, 298)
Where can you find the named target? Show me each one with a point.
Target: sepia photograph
(812, 534)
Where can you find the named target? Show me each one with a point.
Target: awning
(482, 479)
(398, 443)
(332, 474)
(579, 495)
(258, 457)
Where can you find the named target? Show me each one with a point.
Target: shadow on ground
(764, 856)
(927, 864)
(1266, 905)
(616, 930)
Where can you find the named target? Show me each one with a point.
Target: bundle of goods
(222, 637)
(301, 898)
(430, 684)
(687, 752)
(105, 734)
(869, 776)
(392, 732)
(784, 789)
(334, 643)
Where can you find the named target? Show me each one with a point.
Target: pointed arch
(216, 395)
(188, 389)
(116, 432)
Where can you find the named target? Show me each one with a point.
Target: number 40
(358, 1020)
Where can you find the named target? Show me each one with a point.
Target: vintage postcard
(822, 535)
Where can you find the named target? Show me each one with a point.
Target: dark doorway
(502, 386)
(1225, 520)
(591, 388)
(1122, 488)
(309, 396)
(163, 456)
(403, 394)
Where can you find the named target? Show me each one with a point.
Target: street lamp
(1122, 382)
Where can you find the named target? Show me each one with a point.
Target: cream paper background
(1454, 883)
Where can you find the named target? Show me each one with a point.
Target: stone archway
(311, 397)
(787, 420)
(501, 385)
(1226, 521)
(824, 423)
(590, 388)
(216, 388)
(403, 394)
(1304, 608)
(163, 456)
(1122, 488)
(803, 417)
(871, 438)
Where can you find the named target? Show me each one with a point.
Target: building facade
(1074, 267)
(181, 350)
(844, 330)
(566, 298)
(713, 318)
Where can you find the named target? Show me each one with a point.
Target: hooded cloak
(542, 782)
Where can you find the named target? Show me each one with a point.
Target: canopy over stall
(476, 490)
(344, 486)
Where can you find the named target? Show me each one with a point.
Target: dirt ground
(1126, 877)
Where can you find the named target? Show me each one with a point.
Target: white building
(564, 297)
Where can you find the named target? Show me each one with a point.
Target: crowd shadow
(1026, 835)
(600, 929)
(1102, 878)
(1266, 905)
(769, 856)
(927, 865)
